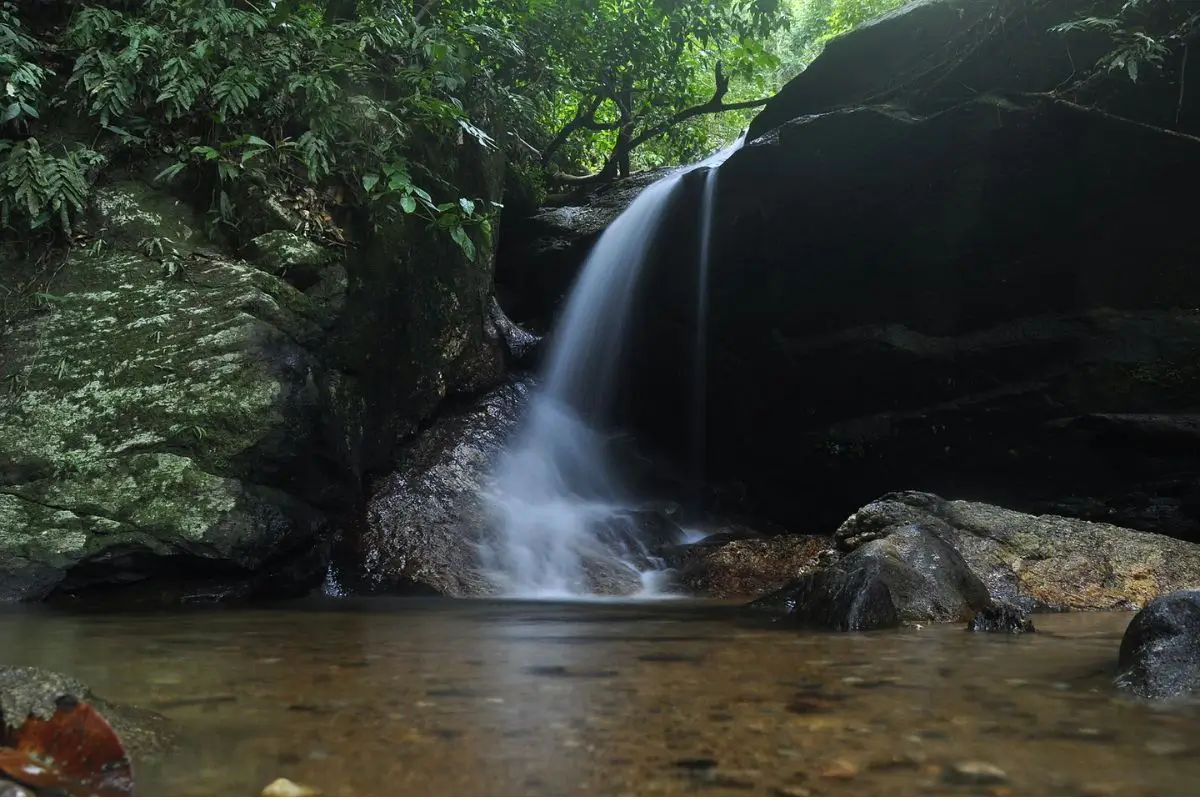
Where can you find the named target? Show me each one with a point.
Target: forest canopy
(338, 92)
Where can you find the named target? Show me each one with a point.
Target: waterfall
(700, 371)
(562, 524)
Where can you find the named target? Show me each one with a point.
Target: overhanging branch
(584, 119)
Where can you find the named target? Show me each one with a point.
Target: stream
(437, 697)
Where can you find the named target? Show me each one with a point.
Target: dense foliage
(289, 97)
(812, 23)
(339, 94)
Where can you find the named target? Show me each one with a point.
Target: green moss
(131, 212)
(137, 391)
(279, 251)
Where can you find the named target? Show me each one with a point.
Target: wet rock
(180, 415)
(910, 575)
(974, 773)
(1160, 651)
(10, 789)
(747, 567)
(1038, 562)
(1001, 618)
(540, 254)
(423, 522)
(282, 787)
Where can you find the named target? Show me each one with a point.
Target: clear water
(440, 697)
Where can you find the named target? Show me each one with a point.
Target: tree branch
(585, 118)
(714, 105)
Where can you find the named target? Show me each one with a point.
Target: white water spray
(700, 371)
(562, 523)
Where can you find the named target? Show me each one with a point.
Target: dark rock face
(540, 255)
(1037, 563)
(920, 288)
(1160, 652)
(1001, 618)
(424, 521)
(910, 575)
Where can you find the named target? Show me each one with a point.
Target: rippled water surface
(474, 697)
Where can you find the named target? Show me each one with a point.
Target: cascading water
(700, 372)
(561, 520)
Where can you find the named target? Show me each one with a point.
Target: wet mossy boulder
(174, 415)
(144, 416)
(1037, 563)
(295, 258)
(750, 565)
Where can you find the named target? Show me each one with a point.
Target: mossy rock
(127, 416)
(298, 260)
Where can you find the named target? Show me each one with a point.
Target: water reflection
(423, 697)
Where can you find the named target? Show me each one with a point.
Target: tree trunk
(625, 132)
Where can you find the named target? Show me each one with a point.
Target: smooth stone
(282, 787)
(974, 773)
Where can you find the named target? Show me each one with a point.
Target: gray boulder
(1037, 563)
(1160, 652)
(910, 575)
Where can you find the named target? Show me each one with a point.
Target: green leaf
(369, 181)
(11, 113)
(467, 205)
(168, 174)
(1131, 66)
(461, 238)
(257, 141)
(408, 203)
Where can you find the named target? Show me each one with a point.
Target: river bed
(441, 697)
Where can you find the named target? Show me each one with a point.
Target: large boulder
(1036, 563)
(911, 575)
(1160, 652)
(979, 294)
(423, 522)
(180, 412)
(427, 522)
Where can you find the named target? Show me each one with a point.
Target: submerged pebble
(282, 787)
(974, 773)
